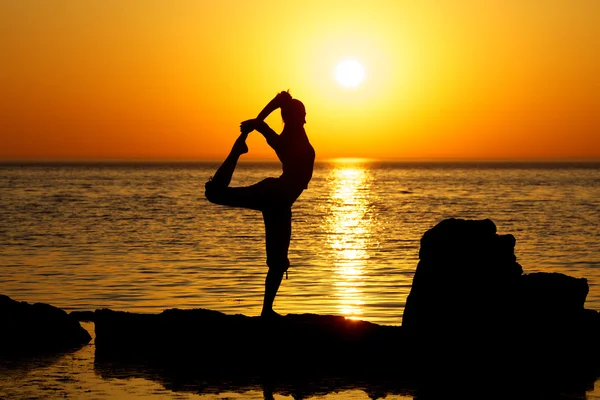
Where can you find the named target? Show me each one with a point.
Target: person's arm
(261, 126)
(273, 105)
(270, 135)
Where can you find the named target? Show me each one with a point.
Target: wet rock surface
(33, 329)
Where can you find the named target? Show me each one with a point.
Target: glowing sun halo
(349, 73)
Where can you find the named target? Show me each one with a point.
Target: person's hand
(248, 126)
(251, 125)
(283, 97)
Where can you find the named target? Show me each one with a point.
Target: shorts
(274, 198)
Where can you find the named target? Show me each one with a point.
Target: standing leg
(278, 231)
(272, 283)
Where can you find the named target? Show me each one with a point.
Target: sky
(172, 80)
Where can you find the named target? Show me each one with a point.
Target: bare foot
(270, 314)
(240, 146)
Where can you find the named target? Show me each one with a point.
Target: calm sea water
(143, 238)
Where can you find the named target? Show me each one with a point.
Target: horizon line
(342, 160)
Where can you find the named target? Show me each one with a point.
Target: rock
(552, 293)
(467, 278)
(471, 302)
(213, 341)
(83, 316)
(32, 329)
(463, 277)
(550, 308)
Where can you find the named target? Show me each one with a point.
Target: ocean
(142, 237)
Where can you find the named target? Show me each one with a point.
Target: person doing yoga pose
(272, 196)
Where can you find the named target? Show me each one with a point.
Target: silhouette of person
(272, 196)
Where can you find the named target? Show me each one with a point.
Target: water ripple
(144, 238)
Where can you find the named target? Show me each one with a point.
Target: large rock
(33, 329)
(467, 280)
(471, 302)
(465, 276)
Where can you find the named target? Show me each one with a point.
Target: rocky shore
(472, 316)
(36, 329)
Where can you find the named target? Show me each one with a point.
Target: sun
(349, 73)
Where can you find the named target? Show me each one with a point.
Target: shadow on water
(307, 385)
(298, 386)
(20, 366)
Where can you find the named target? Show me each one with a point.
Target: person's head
(293, 112)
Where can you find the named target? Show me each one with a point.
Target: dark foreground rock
(203, 351)
(471, 302)
(33, 329)
(83, 316)
(215, 342)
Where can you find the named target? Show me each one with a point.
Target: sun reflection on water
(350, 230)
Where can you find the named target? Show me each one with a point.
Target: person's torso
(297, 157)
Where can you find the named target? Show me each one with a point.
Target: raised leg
(222, 177)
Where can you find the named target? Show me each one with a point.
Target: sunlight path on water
(349, 228)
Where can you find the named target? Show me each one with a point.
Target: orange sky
(158, 79)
